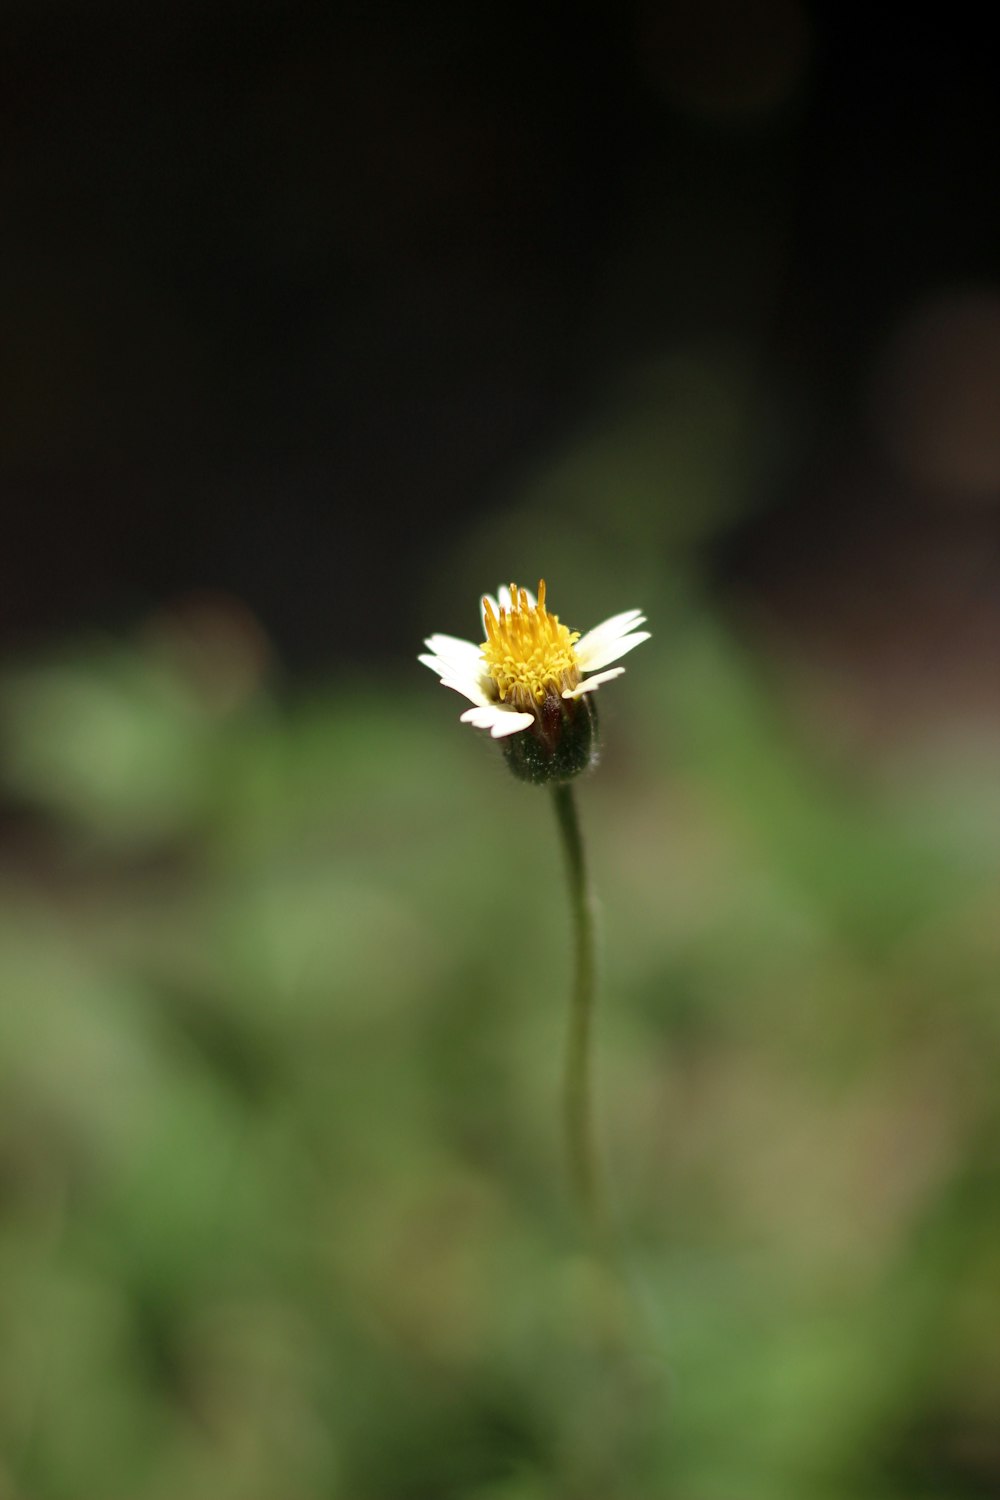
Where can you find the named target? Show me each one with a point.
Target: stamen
(528, 653)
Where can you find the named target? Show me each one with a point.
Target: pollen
(528, 653)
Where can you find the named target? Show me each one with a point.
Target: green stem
(579, 1125)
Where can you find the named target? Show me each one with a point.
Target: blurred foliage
(281, 1206)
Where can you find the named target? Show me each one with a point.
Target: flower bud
(561, 743)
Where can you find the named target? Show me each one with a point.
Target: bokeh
(318, 322)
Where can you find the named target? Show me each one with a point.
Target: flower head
(529, 675)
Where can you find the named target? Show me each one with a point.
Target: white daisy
(528, 659)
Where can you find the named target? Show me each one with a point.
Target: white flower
(528, 658)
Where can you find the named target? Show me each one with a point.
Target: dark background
(290, 291)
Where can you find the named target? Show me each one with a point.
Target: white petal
(434, 662)
(511, 723)
(450, 648)
(482, 716)
(468, 689)
(498, 720)
(470, 684)
(594, 682)
(619, 624)
(600, 654)
(608, 630)
(454, 658)
(446, 666)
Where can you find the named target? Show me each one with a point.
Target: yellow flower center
(528, 654)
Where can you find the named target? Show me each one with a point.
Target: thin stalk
(581, 1151)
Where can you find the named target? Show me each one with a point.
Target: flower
(530, 670)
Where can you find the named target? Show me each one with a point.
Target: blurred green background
(285, 979)
(315, 322)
